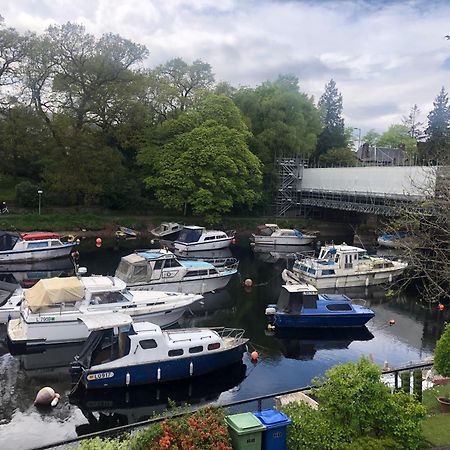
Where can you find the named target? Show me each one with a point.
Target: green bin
(245, 431)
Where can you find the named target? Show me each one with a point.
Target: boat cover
(51, 291)
(139, 272)
(37, 235)
(105, 321)
(8, 240)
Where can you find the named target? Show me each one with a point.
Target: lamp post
(40, 192)
(359, 137)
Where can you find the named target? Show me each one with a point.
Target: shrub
(371, 443)
(442, 353)
(26, 194)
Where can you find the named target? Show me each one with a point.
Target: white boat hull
(283, 240)
(36, 254)
(352, 280)
(201, 246)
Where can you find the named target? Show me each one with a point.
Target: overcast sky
(385, 56)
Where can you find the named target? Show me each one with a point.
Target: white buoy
(127, 379)
(55, 400)
(158, 374)
(367, 281)
(191, 368)
(390, 278)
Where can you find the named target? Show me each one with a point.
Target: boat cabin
(194, 233)
(295, 297)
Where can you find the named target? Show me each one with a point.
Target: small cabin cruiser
(272, 234)
(160, 269)
(193, 238)
(394, 240)
(51, 309)
(120, 353)
(340, 266)
(36, 246)
(167, 230)
(301, 306)
(124, 232)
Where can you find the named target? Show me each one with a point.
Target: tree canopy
(397, 136)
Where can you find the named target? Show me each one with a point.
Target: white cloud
(385, 56)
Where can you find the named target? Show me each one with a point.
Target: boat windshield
(103, 298)
(8, 240)
(292, 302)
(189, 235)
(104, 346)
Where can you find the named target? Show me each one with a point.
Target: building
(382, 156)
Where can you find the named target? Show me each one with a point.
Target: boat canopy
(190, 234)
(37, 235)
(133, 269)
(102, 321)
(50, 291)
(292, 299)
(8, 240)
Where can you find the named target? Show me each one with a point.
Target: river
(284, 363)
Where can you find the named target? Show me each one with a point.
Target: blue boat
(301, 306)
(120, 353)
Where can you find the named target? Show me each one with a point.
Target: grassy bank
(436, 426)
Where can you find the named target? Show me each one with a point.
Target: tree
(371, 137)
(411, 121)
(437, 146)
(396, 136)
(338, 157)
(442, 353)
(333, 133)
(204, 162)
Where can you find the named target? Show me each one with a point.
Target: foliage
(371, 443)
(208, 168)
(412, 123)
(142, 438)
(371, 137)
(438, 143)
(26, 194)
(436, 431)
(396, 136)
(333, 134)
(430, 397)
(442, 353)
(354, 403)
(338, 157)
(103, 444)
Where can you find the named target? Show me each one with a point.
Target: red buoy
(441, 307)
(233, 241)
(254, 355)
(391, 322)
(98, 240)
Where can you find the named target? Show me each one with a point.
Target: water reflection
(105, 408)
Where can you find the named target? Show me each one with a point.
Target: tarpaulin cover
(51, 291)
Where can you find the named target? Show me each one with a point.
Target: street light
(359, 136)
(40, 192)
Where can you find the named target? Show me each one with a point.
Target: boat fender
(270, 311)
(46, 397)
(158, 373)
(191, 369)
(248, 282)
(367, 281)
(55, 400)
(390, 278)
(254, 356)
(127, 379)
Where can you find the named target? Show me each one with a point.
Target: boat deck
(16, 330)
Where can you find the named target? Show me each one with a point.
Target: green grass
(429, 398)
(436, 430)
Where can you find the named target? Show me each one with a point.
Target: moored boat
(160, 269)
(394, 240)
(167, 230)
(340, 266)
(35, 246)
(120, 353)
(301, 306)
(51, 311)
(194, 238)
(272, 234)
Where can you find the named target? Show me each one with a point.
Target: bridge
(379, 190)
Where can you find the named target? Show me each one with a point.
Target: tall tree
(371, 137)
(396, 136)
(333, 133)
(437, 146)
(412, 122)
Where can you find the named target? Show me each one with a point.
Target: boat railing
(307, 254)
(227, 262)
(224, 332)
(230, 233)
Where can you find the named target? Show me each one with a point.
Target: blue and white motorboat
(120, 353)
(160, 269)
(272, 234)
(393, 240)
(193, 238)
(301, 306)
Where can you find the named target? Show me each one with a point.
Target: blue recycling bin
(276, 423)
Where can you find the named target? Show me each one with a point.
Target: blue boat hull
(169, 370)
(321, 321)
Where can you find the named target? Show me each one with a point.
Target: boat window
(37, 245)
(310, 301)
(176, 352)
(172, 263)
(339, 307)
(311, 270)
(209, 238)
(110, 347)
(56, 243)
(214, 346)
(148, 343)
(189, 235)
(8, 240)
(158, 264)
(221, 236)
(197, 349)
(196, 273)
(213, 271)
(328, 272)
(139, 273)
(122, 270)
(103, 298)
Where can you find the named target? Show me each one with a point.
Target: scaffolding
(290, 173)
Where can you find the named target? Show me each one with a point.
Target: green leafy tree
(437, 146)
(412, 122)
(396, 136)
(204, 163)
(371, 137)
(333, 133)
(338, 157)
(442, 353)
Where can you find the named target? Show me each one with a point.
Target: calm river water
(285, 363)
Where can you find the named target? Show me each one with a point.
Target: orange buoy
(441, 307)
(254, 355)
(391, 322)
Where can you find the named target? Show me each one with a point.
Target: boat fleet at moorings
(123, 319)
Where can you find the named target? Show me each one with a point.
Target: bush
(442, 353)
(26, 194)
(370, 443)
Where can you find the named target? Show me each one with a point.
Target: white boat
(272, 234)
(193, 238)
(11, 296)
(160, 269)
(120, 353)
(36, 246)
(51, 310)
(394, 240)
(167, 230)
(340, 266)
